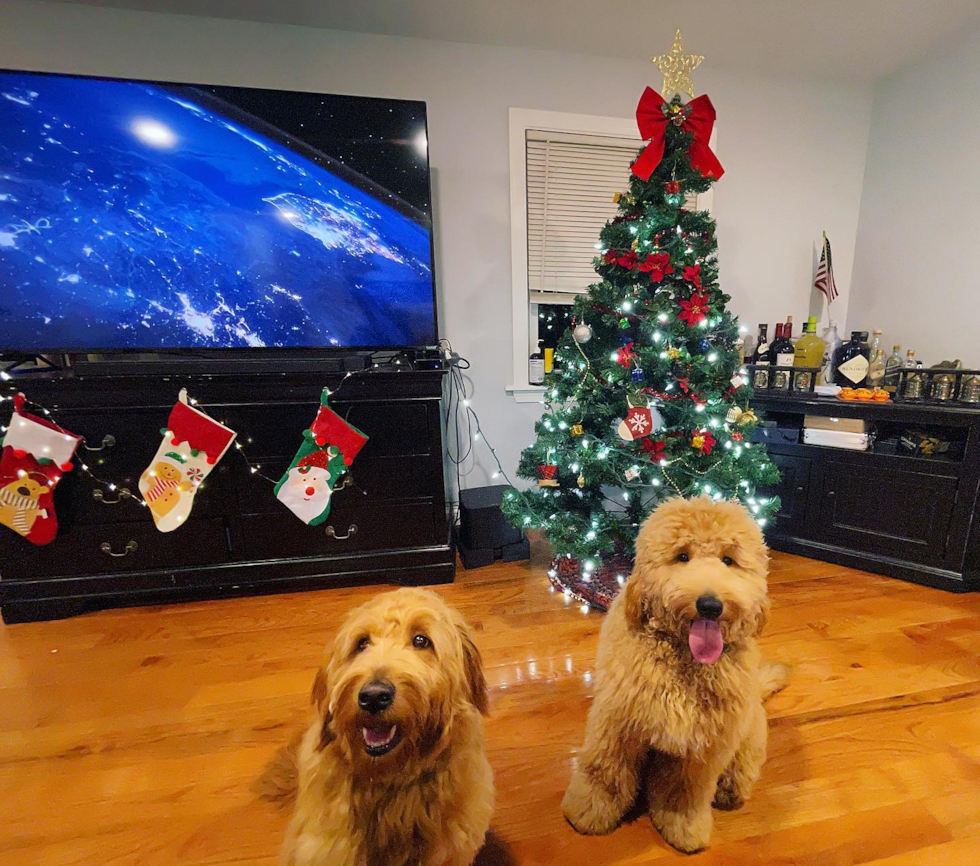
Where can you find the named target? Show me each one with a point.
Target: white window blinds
(571, 179)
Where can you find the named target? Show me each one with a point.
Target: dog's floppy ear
(633, 603)
(473, 669)
(762, 616)
(318, 698)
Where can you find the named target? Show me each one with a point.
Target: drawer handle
(107, 442)
(831, 493)
(800, 489)
(99, 496)
(131, 547)
(333, 532)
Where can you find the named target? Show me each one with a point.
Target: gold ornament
(581, 480)
(677, 68)
(616, 197)
(577, 430)
(697, 441)
(673, 353)
(747, 417)
(635, 244)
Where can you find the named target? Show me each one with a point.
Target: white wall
(915, 275)
(793, 150)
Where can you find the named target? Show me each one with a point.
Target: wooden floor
(132, 737)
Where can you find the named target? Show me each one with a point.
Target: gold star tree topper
(677, 68)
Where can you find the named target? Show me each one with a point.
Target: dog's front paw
(590, 810)
(727, 796)
(684, 831)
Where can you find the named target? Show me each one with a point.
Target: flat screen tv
(142, 215)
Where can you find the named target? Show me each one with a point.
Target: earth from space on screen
(134, 215)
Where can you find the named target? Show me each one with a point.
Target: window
(565, 169)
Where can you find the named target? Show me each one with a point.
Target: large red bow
(652, 122)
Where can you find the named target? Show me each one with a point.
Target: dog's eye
(362, 644)
(420, 641)
(683, 556)
(728, 560)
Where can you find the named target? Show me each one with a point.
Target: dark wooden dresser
(389, 525)
(907, 516)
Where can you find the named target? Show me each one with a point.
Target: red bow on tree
(698, 119)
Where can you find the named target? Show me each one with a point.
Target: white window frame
(521, 120)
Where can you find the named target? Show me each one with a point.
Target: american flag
(825, 272)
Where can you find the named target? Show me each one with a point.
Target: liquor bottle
(851, 361)
(876, 363)
(808, 353)
(831, 340)
(892, 366)
(914, 382)
(788, 330)
(781, 354)
(535, 366)
(809, 348)
(761, 359)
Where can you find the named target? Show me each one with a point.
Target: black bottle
(851, 361)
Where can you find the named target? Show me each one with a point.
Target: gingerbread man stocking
(192, 445)
(36, 453)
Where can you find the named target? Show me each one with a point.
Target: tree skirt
(597, 589)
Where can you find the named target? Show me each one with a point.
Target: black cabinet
(894, 512)
(390, 524)
(881, 510)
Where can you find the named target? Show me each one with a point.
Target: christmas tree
(648, 399)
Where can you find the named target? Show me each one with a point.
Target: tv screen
(139, 215)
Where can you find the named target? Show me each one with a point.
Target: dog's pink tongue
(705, 641)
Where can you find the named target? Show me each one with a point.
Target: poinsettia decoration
(657, 265)
(625, 355)
(692, 273)
(654, 449)
(695, 309)
(702, 441)
(629, 259)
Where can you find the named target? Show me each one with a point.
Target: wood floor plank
(133, 736)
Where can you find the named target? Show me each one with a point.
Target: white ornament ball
(582, 333)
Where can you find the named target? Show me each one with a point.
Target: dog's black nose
(376, 697)
(709, 607)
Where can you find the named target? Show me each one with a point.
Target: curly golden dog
(393, 772)
(678, 711)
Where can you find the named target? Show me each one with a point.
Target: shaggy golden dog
(392, 771)
(678, 710)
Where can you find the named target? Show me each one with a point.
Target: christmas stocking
(329, 447)
(192, 445)
(36, 453)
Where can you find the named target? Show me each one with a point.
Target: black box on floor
(484, 533)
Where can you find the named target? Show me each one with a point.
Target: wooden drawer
(393, 429)
(80, 550)
(79, 500)
(355, 529)
(382, 479)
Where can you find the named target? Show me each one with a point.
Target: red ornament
(654, 449)
(672, 186)
(657, 265)
(610, 257)
(637, 423)
(547, 473)
(703, 441)
(692, 273)
(625, 357)
(694, 310)
(736, 436)
(652, 120)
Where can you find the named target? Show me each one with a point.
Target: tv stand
(390, 525)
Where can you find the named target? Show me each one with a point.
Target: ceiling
(851, 40)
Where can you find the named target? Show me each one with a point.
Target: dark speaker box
(484, 533)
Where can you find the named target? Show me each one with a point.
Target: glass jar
(970, 389)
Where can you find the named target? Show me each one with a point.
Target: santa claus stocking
(36, 453)
(192, 445)
(329, 447)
